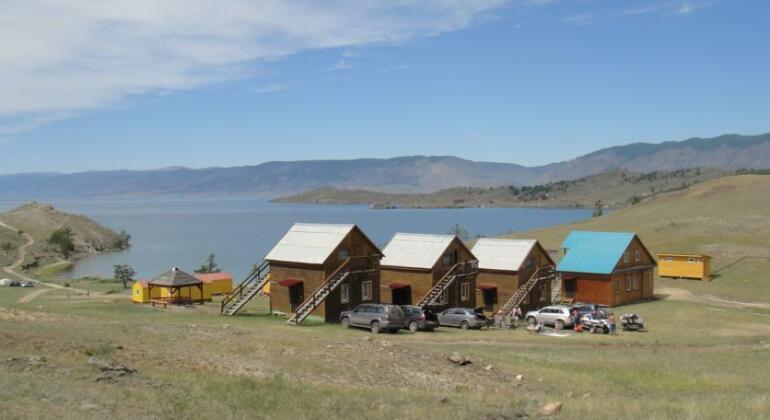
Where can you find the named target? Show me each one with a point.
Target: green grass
(699, 359)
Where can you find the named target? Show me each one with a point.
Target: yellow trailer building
(687, 266)
(218, 283)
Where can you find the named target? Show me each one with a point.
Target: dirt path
(14, 271)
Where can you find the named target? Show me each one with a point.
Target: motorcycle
(631, 322)
(595, 325)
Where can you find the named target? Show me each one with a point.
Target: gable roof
(175, 278)
(503, 254)
(415, 250)
(594, 252)
(308, 243)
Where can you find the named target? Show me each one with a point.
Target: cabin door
(296, 295)
(401, 296)
(570, 287)
(490, 299)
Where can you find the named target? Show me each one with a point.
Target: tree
(62, 239)
(123, 241)
(460, 231)
(210, 266)
(124, 274)
(598, 208)
(636, 199)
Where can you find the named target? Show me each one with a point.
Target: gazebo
(177, 287)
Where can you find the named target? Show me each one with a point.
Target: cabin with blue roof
(608, 268)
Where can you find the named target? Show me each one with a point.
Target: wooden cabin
(609, 268)
(684, 266)
(176, 286)
(218, 283)
(504, 266)
(306, 257)
(414, 263)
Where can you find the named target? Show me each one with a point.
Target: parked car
(556, 315)
(418, 319)
(461, 317)
(376, 317)
(26, 284)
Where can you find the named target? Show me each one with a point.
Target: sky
(99, 84)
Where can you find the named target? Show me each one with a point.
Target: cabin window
(637, 255)
(626, 257)
(343, 254)
(543, 292)
(345, 293)
(617, 287)
(446, 260)
(669, 259)
(692, 260)
(628, 283)
(530, 262)
(445, 296)
(366, 290)
(465, 291)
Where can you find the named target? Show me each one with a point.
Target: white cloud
(668, 8)
(64, 56)
(581, 19)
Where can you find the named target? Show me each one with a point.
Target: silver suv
(377, 317)
(556, 315)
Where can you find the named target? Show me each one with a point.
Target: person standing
(611, 322)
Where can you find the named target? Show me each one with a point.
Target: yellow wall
(139, 294)
(686, 266)
(220, 287)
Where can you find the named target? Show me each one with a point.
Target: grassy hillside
(40, 221)
(727, 218)
(614, 189)
(699, 359)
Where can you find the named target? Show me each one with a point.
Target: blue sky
(87, 85)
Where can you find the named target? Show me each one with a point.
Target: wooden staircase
(352, 265)
(245, 291)
(556, 296)
(546, 273)
(458, 270)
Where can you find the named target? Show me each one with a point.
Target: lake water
(182, 232)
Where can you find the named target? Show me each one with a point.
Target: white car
(556, 315)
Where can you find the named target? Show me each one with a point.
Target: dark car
(376, 317)
(418, 319)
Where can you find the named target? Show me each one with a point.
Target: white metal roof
(309, 243)
(415, 250)
(502, 254)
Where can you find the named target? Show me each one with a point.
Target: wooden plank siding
(313, 276)
(631, 280)
(508, 282)
(420, 281)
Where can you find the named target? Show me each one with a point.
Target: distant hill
(40, 221)
(416, 174)
(614, 189)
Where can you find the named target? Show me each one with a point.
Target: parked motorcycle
(595, 325)
(631, 322)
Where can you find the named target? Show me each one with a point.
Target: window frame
(345, 293)
(626, 257)
(543, 292)
(465, 291)
(628, 283)
(618, 286)
(343, 254)
(637, 255)
(366, 290)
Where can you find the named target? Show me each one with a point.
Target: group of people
(577, 319)
(507, 320)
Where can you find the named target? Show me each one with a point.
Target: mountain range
(400, 174)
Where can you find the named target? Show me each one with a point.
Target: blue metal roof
(593, 252)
